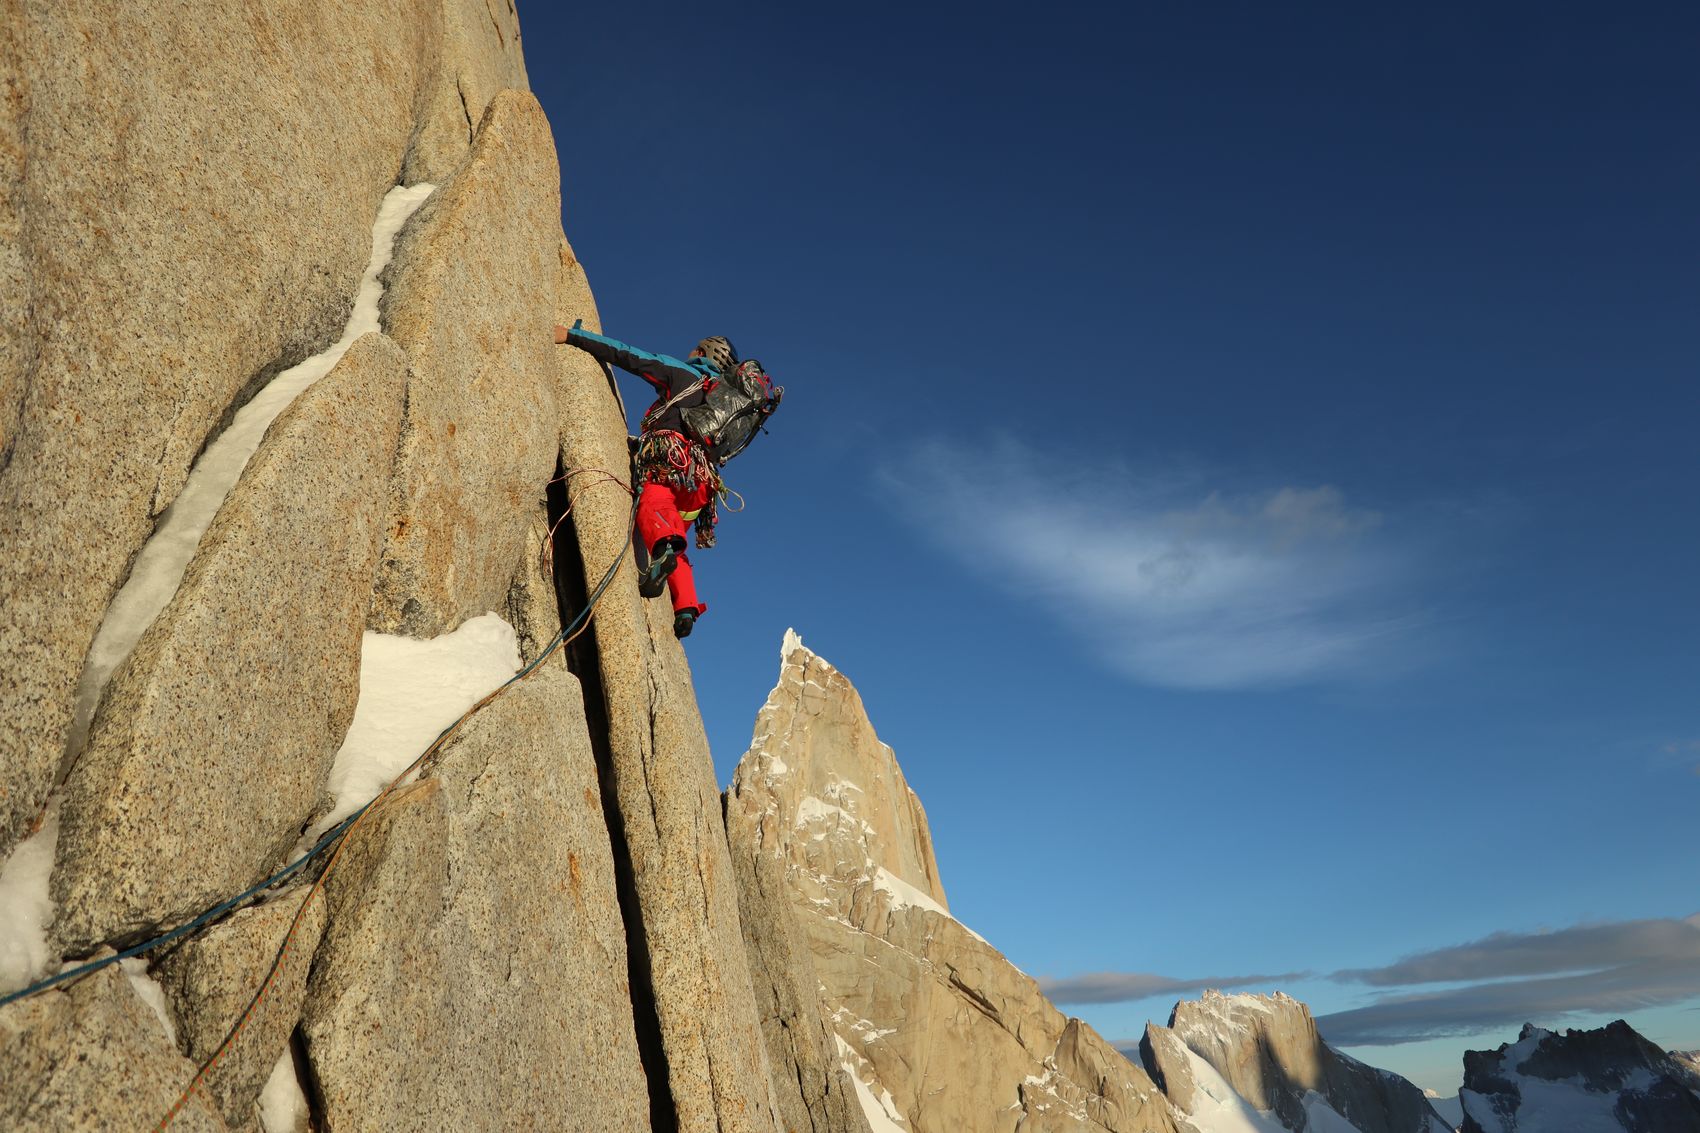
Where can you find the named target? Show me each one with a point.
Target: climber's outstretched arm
(629, 358)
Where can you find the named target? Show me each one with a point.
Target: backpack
(732, 411)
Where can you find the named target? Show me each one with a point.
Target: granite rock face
(477, 57)
(1268, 1050)
(93, 1056)
(1167, 1060)
(210, 979)
(1608, 1078)
(940, 1031)
(467, 298)
(811, 1086)
(509, 997)
(709, 1057)
(192, 787)
(186, 208)
(14, 278)
(547, 921)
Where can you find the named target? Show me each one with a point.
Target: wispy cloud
(1682, 751)
(1172, 582)
(1532, 977)
(1514, 954)
(1120, 987)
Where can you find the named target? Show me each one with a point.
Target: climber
(701, 418)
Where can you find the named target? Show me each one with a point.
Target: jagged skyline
(1247, 441)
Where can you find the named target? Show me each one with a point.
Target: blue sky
(1244, 456)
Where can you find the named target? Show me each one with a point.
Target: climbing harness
(670, 458)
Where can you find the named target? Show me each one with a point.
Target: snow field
(1320, 1117)
(1217, 1108)
(1566, 1105)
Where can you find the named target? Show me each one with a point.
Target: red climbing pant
(658, 519)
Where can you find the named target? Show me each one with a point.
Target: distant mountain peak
(1609, 1078)
(1266, 1049)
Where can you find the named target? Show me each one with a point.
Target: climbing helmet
(720, 351)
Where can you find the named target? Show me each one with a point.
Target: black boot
(662, 560)
(683, 622)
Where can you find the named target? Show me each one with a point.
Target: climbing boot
(653, 580)
(683, 622)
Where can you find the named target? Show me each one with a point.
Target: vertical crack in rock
(158, 567)
(572, 592)
(466, 111)
(497, 24)
(318, 1117)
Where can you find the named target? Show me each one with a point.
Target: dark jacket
(670, 376)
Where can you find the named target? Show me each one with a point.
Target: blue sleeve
(673, 371)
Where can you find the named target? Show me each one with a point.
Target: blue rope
(330, 838)
(183, 930)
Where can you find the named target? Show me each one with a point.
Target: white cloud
(1173, 584)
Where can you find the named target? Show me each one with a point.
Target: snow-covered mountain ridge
(930, 1021)
(1266, 1048)
(1599, 1081)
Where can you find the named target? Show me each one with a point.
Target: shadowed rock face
(1268, 1050)
(942, 1032)
(1611, 1077)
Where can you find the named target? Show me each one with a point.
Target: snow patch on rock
(1216, 1108)
(902, 895)
(792, 642)
(410, 691)
(283, 1104)
(879, 1109)
(158, 569)
(26, 906)
(147, 989)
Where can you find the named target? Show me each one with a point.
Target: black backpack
(733, 410)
